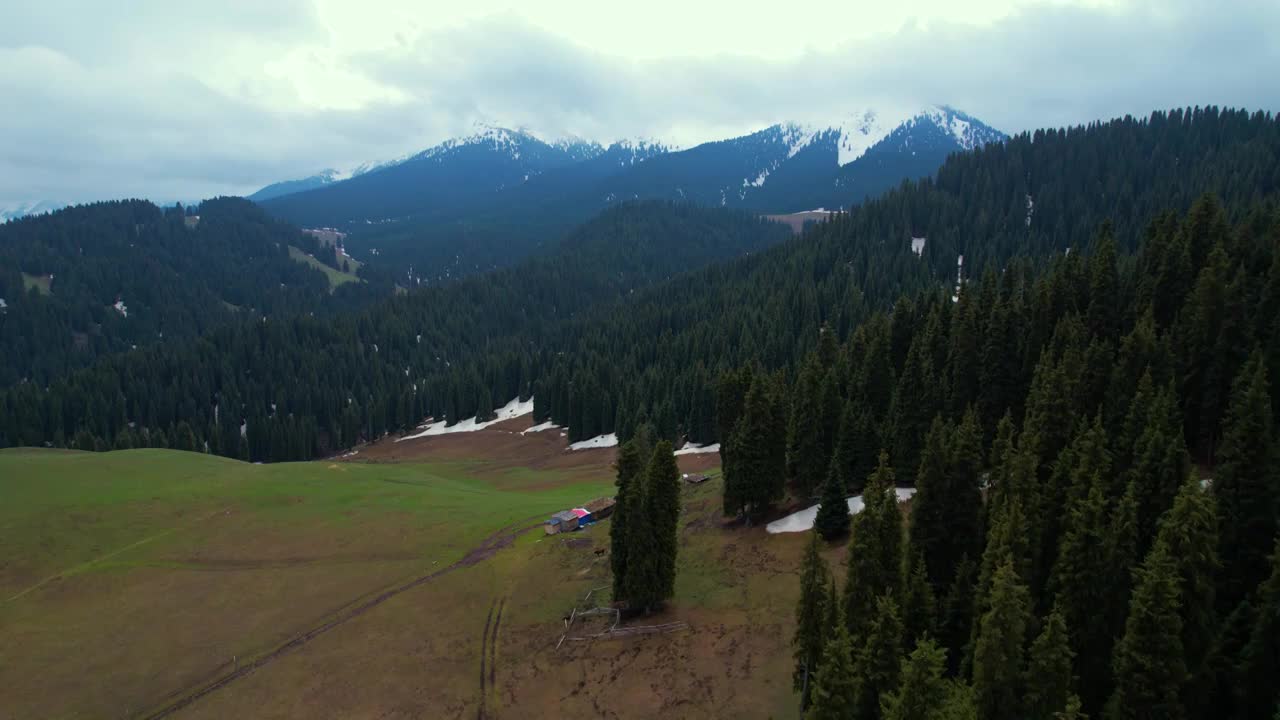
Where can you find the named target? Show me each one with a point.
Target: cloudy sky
(182, 100)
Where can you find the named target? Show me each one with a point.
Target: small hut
(601, 508)
(563, 521)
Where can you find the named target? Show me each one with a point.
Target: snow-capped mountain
(783, 168)
(459, 174)
(796, 166)
(13, 211)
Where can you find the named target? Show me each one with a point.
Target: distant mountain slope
(484, 201)
(792, 167)
(456, 174)
(23, 209)
(97, 279)
(289, 187)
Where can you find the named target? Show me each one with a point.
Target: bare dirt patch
(502, 448)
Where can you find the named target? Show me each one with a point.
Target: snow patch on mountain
(15, 210)
(862, 130)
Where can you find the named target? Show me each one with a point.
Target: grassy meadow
(131, 581)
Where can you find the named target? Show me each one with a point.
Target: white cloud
(172, 100)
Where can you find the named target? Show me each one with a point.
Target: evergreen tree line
(293, 388)
(1094, 530)
(611, 335)
(642, 534)
(174, 281)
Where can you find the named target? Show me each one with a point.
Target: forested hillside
(304, 385)
(92, 280)
(1093, 447)
(656, 353)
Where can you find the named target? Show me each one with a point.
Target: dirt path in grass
(489, 656)
(485, 550)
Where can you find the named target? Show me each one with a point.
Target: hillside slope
(114, 276)
(656, 353)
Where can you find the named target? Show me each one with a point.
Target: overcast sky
(189, 99)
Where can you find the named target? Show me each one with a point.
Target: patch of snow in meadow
(510, 411)
(698, 449)
(599, 441)
(802, 521)
(548, 425)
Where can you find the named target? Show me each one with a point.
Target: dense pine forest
(290, 388)
(618, 327)
(94, 280)
(1093, 447)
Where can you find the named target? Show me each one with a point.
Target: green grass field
(127, 576)
(130, 581)
(336, 277)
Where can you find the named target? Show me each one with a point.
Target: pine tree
(1081, 581)
(1048, 676)
(875, 551)
(1149, 665)
(914, 406)
(753, 477)
(1246, 484)
(1190, 532)
(1260, 658)
(878, 661)
(630, 467)
(1159, 462)
(832, 521)
(957, 614)
(662, 506)
(919, 606)
(806, 462)
(932, 502)
(812, 631)
(641, 584)
(998, 655)
(835, 690)
(922, 694)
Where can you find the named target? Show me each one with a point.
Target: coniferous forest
(1078, 372)
(616, 326)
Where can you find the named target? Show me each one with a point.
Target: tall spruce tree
(835, 691)
(812, 615)
(1246, 485)
(754, 477)
(998, 675)
(956, 621)
(875, 551)
(1081, 583)
(1048, 678)
(919, 604)
(932, 502)
(1149, 664)
(922, 693)
(832, 521)
(1189, 530)
(806, 461)
(662, 508)
(878, 662)
(630, 467)
(914, 406)
(1259, 664)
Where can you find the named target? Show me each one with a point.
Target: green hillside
(146, 570)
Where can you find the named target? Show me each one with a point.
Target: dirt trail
(486, 549)
(489, 657)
